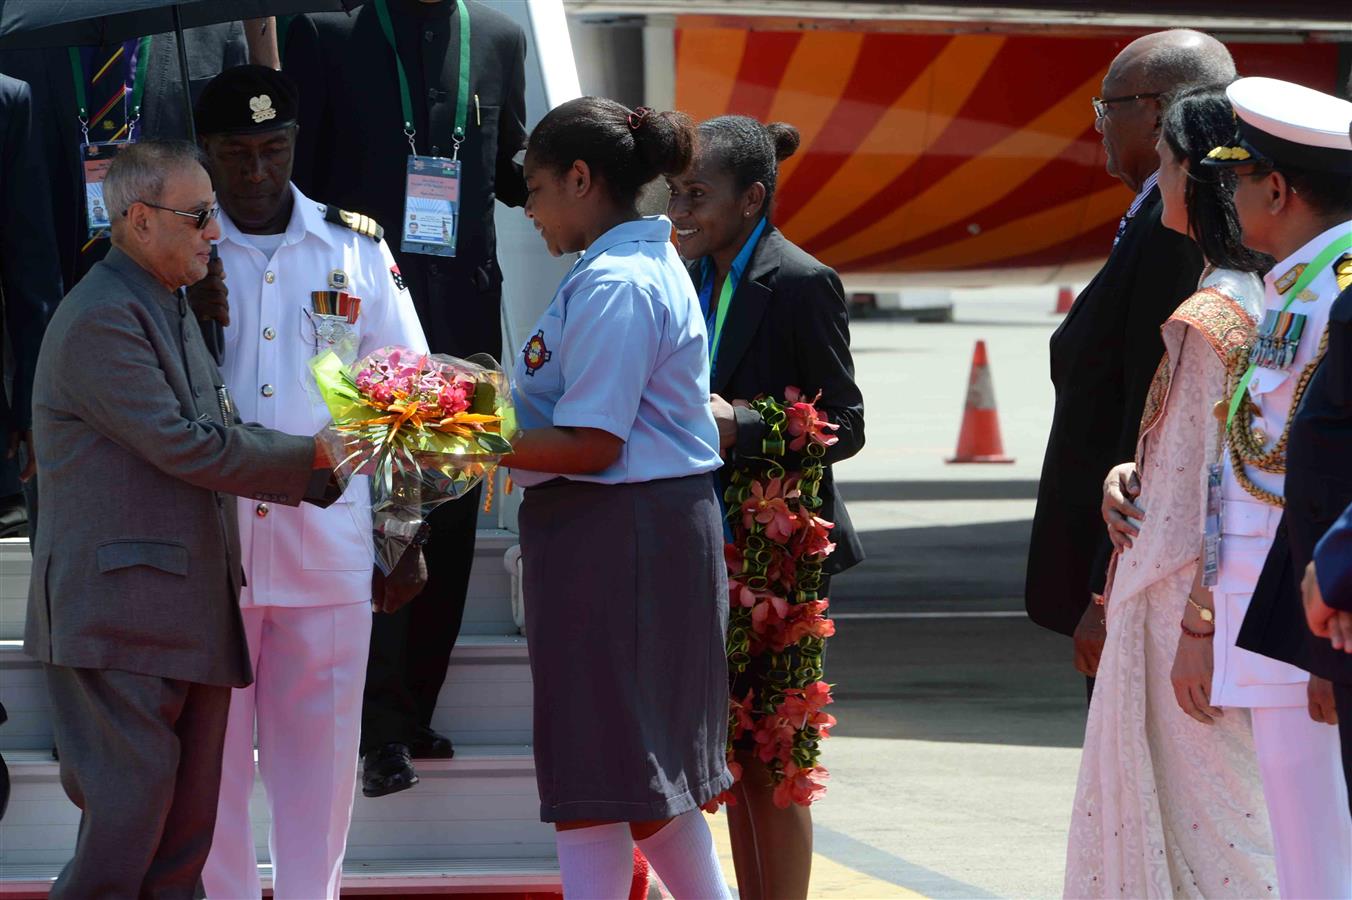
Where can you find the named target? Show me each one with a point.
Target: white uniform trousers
(1306, 794)
(309, 672)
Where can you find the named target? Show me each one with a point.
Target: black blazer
(789, 325)
(1318, 488)
(30, 272)
(1103, 357)
(209, 49)
(352, 151)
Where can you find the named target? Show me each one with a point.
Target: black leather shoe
(13, 517)
(387, 770)
(428, 744)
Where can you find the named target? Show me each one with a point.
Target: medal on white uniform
(332, 315)
(431, 183)
(1278, 339)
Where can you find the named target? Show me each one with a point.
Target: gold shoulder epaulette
(356, 221)
(1342, 270)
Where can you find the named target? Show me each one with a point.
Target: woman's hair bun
(786, 139)
(663, 141)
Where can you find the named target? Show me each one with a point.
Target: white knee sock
(596, 863)
(682, 854)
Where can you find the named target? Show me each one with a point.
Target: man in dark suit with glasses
(1104, 354)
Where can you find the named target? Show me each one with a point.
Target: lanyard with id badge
(431, 183)
(96, 157)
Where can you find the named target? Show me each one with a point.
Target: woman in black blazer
(786, 324)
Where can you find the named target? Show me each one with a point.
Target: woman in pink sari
(1170, 805)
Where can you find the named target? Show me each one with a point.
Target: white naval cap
(1279, 123)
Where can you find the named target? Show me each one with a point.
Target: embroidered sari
(1167, 806)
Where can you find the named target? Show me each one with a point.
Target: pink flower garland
(775, 616)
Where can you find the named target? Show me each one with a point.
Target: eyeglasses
(1101, 104)
(200, 218)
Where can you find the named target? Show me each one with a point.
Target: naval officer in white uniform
(308, 601)
(1291, 162)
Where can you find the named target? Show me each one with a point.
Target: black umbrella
(26, 24)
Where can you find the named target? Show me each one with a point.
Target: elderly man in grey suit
(133, 604)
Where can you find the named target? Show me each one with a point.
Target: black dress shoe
(428, 744)
(387, 770)
(13, 517)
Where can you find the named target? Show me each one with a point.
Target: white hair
(138, 173)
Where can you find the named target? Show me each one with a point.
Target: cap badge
(1229, 153)
(262, 108)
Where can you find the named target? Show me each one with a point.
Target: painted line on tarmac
(958, 614)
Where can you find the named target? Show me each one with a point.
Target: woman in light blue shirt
(622, 544)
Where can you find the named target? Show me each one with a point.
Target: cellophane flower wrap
(426, 428)
(777, 623)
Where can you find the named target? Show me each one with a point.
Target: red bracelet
(1199, 635)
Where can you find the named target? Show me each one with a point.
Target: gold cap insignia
(262, 108)
(1229, 153)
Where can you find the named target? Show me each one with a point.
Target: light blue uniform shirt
(622, 348)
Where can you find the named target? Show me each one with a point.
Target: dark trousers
(411, 648)
(141, 758)
(1342, 699)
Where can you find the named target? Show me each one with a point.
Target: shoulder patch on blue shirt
(535, 354)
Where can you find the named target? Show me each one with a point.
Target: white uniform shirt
(1248, 525)
(304, 556)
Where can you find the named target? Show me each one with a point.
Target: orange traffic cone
(979, 439)
(1064, 298)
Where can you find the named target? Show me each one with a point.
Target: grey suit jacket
(137, 565)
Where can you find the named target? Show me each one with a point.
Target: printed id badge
(94, 162)
(431, 206)
(1211, 531)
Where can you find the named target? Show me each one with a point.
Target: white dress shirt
(304, 556)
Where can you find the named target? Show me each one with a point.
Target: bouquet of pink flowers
(777, 623)
(426, 429)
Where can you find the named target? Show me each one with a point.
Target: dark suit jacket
(57, 132)
(352, 150)
(1102, 359)
(30, 274)
(1318, 488)
(1334, 559)
(137, 565)
(789, 325)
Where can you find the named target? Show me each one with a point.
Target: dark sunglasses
(1101, 104)
(200, 218)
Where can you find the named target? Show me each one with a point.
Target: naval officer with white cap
(1291, 163)
(301, 277)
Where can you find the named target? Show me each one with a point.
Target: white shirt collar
(656, 229)
(307, 217)
(1306, 253)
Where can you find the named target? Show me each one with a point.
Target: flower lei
(775, 612)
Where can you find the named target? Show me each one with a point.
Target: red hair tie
(638, 117)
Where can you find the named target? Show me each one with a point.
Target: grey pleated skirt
(626, 607)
